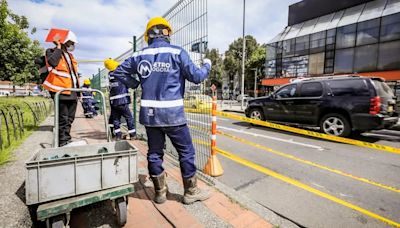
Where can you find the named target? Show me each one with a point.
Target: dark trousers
(182, 141)
(66, 117)
(119, 111)
(88, 106)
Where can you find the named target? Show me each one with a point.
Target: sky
(105, 27)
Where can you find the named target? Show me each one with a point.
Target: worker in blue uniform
(88, 101)
(162, 69)
(119, 102)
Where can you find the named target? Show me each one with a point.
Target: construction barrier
(213, 166)
(311, 133)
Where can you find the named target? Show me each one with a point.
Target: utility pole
(243, 54)
(255, 82)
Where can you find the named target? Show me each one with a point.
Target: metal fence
(188, 19)
(17, 119)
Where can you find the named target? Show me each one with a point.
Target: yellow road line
(305, 187)
(310, 163)
(311, 133)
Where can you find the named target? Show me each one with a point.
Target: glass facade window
(336, 43)
(368, 32)
(317, 42)
(271, 68)
(365, 58)
(288, 47)
(331, 36)
(389, 56)
(390, 27)
(344, 61)
(346, 36)
(295, 66)
(316, 64)
(302, 45)
(271, 51)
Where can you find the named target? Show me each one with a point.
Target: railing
(17, 119)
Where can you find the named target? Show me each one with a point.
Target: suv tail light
(375, 105)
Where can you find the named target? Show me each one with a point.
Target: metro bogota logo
(145, 68)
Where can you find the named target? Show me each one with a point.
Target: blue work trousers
(89, 106)
(182, 141)
(119, 111)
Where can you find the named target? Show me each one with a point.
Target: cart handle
(57, 111)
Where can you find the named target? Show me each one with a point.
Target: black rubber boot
(192, 192)
(160, 188)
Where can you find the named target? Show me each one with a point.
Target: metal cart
(59, 180)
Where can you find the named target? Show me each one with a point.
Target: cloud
(105, 27)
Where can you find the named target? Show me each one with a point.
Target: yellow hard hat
(153, 22)
(111, 64)
(86, 82)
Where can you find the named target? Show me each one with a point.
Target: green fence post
(134, 92)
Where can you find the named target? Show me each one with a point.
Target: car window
(311, 89)
(382, 89)
(287, 91)
(348, 87)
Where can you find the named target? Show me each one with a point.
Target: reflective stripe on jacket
(162, 69)
(87, 96)
(119, 93)
(59, 77)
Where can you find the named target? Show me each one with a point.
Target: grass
(29, 123)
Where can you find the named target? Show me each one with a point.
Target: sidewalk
(224, 209)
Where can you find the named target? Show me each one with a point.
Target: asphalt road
(314, 183)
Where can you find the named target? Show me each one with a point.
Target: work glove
(207, 61)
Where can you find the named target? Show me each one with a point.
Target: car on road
(338, 105)
(198, 101)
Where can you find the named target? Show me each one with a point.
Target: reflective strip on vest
(161, 104)
(59, 73)
(58, 88)
(119, 96)
(87, 96)
(155, 51)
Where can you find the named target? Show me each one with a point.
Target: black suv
(339, 105)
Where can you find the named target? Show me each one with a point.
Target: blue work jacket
(87, 96)
(162, 69)
(119, 92)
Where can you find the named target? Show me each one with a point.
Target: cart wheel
(120, 207)
(57, 222)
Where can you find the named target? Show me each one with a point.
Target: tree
(18, 50)
(216, 69)
(255, 59)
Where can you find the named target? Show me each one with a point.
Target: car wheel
(335, 124)
(257, 114)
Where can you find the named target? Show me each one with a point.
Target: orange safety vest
(60, 76)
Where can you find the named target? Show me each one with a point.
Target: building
(28, 88)
(336, 37)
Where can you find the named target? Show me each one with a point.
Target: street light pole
(255, 82)
(243, 54)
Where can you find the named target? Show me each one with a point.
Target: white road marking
(315, 184)
(263, 136)
(344, 195)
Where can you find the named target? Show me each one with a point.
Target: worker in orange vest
(63, 73)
